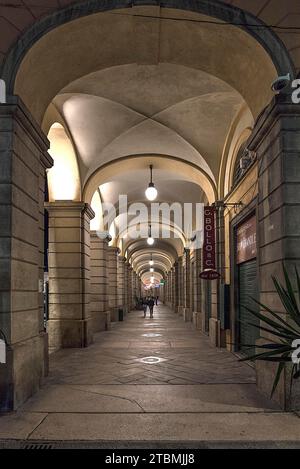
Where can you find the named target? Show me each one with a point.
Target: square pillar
(69, 322)
(187, 286)
(113, 282)
(23, 161)
(99, 289)
(129, 286)
(121, 283)
(276, 141)
(197, 313)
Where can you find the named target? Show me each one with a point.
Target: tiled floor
(150, 380)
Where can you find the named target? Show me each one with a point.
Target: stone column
(126, 297)
(181, 286)
(113, 282)
(176, 286)
(134, 286)
(99, 283)
(129, 287)
(187, 286)
(121, 283)
(23, 159)
(276, 140)
(69, 322)
(173, 288)
(168, 296)
(198, 313)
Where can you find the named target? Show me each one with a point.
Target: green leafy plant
(286, 331)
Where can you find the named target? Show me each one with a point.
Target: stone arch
(190, 171)
(221, 11)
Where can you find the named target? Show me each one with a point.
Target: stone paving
(150, 380)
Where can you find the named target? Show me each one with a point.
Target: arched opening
(126, 89)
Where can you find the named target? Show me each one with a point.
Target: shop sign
(209, 242)
(246, 241)
(209, 274)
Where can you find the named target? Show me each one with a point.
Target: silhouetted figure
(151, 306)
(145, 305)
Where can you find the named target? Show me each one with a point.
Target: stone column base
(107, 321)
(99, 321)
(197, 320)
(21, 375)
(214, 332)
(180, 310)
(114, 314)
(69, 333)
(187, 314)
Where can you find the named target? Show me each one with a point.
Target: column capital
(17, 110)
(70, 205)
(94, 234)
(114, 249)
(46, 160)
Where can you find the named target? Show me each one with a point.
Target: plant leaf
(298, 283)
(262, 355)
(268, 321)
(290, 290)
(280, 369)
(287, 302)
(271, 331)
(277, 316)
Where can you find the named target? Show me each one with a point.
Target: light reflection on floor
(151, 334)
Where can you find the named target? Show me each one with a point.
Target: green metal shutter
(248, 288)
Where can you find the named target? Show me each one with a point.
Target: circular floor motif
(151, 360)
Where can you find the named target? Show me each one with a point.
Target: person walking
(156, 300)
(145, 305)
(151, 306)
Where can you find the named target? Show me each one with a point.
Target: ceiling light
(150, 240)
(151, 192)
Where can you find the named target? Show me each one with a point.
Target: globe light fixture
(150, 240)
(151, 269)
(151, 192)
(151, 262)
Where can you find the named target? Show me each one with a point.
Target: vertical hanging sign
(209, 243)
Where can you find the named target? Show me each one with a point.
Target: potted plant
(284, 350)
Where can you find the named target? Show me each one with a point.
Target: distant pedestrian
(156, 300)
(151, 306)
(145, 306)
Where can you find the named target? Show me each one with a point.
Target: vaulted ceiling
(145, 85)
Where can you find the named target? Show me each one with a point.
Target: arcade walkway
(145, 381)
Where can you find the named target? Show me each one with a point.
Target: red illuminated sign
(209, 243)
